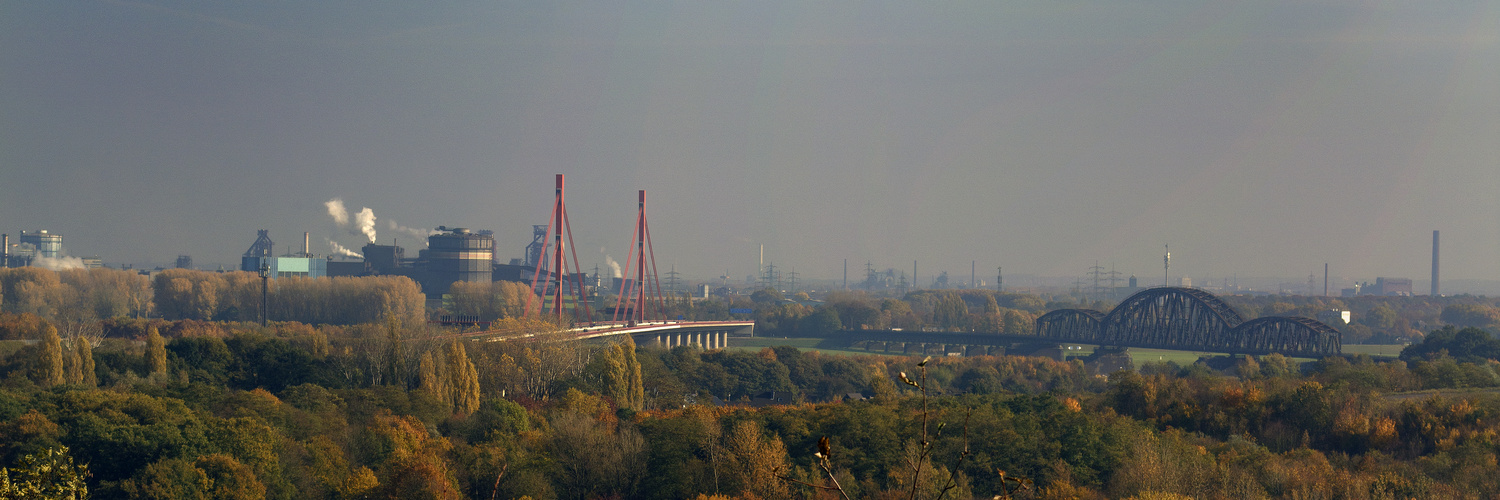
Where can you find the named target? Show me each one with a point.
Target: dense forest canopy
(396, 410)
(103, 389)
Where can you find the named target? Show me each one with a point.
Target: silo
(458, 255)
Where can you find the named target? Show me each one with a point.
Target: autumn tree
(991, 319)
(31, 290)
(594, 459)
(50, 372)
(463, 379)
(950, 312)
(619, 374)
(754, 461)
(156, 352)
(433, 377)
(84, 352)
(1018, 323)
(72, 364)
(48, 474)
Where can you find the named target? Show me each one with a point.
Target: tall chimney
(306, 247)
(1434, 263)
(5, 252)
(1325, 279)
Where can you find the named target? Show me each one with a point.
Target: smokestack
(5, 254)
(1325, 279)
(306, 245)
(1434, 263)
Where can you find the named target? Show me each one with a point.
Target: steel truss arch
(1295, 336)
(1188, 318)
(1171, 316)
(1075, 325)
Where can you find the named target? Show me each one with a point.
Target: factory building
(453, 255)
(47, 245)
(384, 259)
(302, 265)
(298, 267)
(258, 252)
(31, 246)
(347, 268)
(1392, 286)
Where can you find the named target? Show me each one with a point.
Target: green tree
(1467, 344)
(1475, 315)
(823, 320)
(1380, 318)
(767, 296)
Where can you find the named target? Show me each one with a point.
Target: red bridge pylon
(557, 267)
(644, 294)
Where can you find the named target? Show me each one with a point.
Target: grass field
(1138, 355)
(758, 343)
(1375, 350)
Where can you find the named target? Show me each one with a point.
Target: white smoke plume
(419, 234)
(58, 263)
(337, 211)
(614, 267)
(364, 222)
(339, 249)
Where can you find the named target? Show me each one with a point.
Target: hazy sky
(1257, 138)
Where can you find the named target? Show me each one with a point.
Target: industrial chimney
(5, 252)
(306, 247)
(1434, 263)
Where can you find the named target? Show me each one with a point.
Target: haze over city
(1259, 139)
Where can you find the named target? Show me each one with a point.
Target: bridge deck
(643, 328)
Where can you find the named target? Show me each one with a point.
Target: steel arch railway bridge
(1188, 319)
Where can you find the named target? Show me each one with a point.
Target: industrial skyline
(1258, 140)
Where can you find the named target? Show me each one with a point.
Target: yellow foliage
(360, 484)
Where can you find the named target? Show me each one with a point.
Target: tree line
(91, 294)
